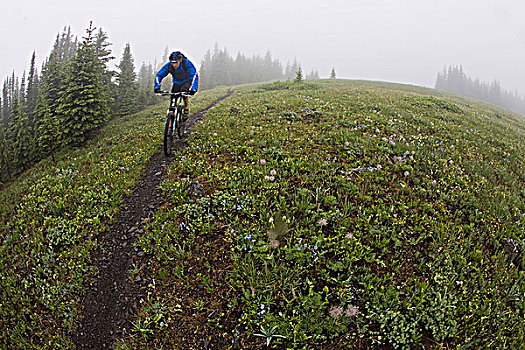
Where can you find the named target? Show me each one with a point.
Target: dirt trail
(110, 301)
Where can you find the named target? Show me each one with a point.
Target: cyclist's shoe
(185, 114)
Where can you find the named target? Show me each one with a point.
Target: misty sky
(407, 41)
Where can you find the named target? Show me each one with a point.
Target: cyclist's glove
(192, 92)
(156, 90)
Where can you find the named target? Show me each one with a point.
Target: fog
(407, 41)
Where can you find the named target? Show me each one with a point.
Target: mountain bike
(174, 120)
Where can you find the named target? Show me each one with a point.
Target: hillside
(335, 214)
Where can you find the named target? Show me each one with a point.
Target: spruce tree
(219, 68)
(454, 79)
(332, 74)
(5, 106)
(47, 130)
(127, 85)
(83, 104)
(65, 45)
(8, 94)
(299, 75)
(205, 71)
(277, 70)
(221, 63)
(103, 51)
(267, 65)
(291, 70)
(242, 68)
(47, 119)
(32, 90)
(145, 76)
(14, 88)
(166, 55)
(22, 90)
(145, 80)
(313, 75)
(22, 141)
(5, 161)
(101, 45)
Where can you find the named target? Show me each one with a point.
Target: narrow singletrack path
(112, 298)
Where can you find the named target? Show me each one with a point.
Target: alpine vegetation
(297, 215)
(340, 215)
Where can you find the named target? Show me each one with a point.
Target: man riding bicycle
(185, 77)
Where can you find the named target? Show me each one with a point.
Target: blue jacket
(185, 72)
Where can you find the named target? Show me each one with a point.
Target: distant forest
(218, 68)
(76, 92)
(454, 79)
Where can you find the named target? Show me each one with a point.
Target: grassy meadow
(335, 215)
(50, 219)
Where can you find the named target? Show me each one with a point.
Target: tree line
(219, 68)
(454, 79)
(76, 92)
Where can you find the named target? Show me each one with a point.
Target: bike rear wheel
(168, 134)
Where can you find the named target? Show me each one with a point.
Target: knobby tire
(168, 135)
(180, 125)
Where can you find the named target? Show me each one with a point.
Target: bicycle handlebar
(167, 93)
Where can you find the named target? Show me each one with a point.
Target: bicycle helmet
(176, 56)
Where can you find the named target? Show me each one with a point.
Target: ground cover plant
(315, 215)
(50, 219)
(340, 214)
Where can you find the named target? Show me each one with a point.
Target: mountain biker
(185, 77)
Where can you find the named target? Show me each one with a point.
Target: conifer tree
(166, 55)
(145, 81)
(291, 70)
(5, 162)
(22, 142)
(32, 89)
(313, 75)
(242, 68)
(127, 85)
(101, 45)
(103, 51)
(14, 87)
(10, 90)
(223, 65)
(47, 119)
(65, 45)
(267, 67)
(47, 128)
(83, 102)
(47, 131)
(299, 75)
(332, 74)
(277, 70)
(22, 90)
(454, 79)
(145, 76)
(5, 106)
(219, 68)
(205, 70)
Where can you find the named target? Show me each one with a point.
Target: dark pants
(184, 87)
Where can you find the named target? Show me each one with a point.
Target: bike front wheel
(168, 134)
(180, 124)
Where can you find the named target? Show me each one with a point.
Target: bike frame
(174, 122)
